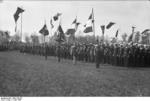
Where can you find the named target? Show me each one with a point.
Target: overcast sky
(124, 13)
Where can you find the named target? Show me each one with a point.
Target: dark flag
(90, 17)
(117, 33)
(70, 31)
(56, 16)
(103, 29)
(44, 31)
(60, 34)
(75, 21)
(110, 25)
(88, 29)
(146, 30)
(16, 16)
(51, 23)
(78, 23)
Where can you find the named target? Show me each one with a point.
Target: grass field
(29, 75)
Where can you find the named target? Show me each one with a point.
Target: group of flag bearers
(129, 54)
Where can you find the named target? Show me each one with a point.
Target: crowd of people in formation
(128, 55)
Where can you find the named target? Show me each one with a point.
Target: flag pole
(45, 45)
(75, 27)
(51, 27)
(75, 30)
(133, 29)
(93, 23)
(59, 42)
(21, 28)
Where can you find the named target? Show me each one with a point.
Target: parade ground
(32, 75)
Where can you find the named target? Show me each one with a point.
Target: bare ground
(32, 75)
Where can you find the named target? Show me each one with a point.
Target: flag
(90, 17)
(70, 31)
(60, 34)
(110, 25)
(44, 31)
(103, 29)
(56, 16)
(75, 21)
(78, 23)
(146, 30)
(51, 23)
(16, 15)
(117, 33)
(88, 29)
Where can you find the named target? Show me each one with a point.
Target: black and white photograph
(68, 48)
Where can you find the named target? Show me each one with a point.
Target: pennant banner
(44, 31)
(57, 16)
(91, 15)
(70, 32)
(88, 29)
(146, 30)
(75, 21)
(110, 25)
(16, 16)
